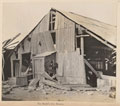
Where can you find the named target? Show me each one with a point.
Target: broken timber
(55, 85)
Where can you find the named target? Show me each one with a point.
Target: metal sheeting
(105, 31)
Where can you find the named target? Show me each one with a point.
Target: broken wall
(29, 44)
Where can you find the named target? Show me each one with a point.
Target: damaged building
(68, 48)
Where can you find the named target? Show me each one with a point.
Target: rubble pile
(45, 88)
(6, 88)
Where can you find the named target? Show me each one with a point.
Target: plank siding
(13, 57)
(32, 45)
(65, 40)
(49, 41)
(71, 68)
(42, 26)
(63, 22)
(27, 45)
(44, 43)
(65, 34)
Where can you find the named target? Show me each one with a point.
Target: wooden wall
(42, 43)
(70, 63)
(31, 42)
(65, 40)
(71, 68)
(12, 58)
(63, 22)
(65, 34)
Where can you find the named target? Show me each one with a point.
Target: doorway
(16, 67)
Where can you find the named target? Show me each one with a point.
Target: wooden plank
(82, 45)
(41, 45)
(22, 81)
(82, 35)
(33, 82)
(104, 42)
(60, 60)
(85, 89)
(11, 40)
(48, 41)
(65, 40)
(34, 43)
(92, 69)
(55, 85)
(27, 46)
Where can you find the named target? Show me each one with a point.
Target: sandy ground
(53, 94)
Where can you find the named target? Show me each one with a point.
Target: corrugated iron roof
(105, 31)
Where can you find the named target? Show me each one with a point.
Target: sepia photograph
(59, 51)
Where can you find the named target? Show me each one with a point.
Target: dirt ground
(53, 94)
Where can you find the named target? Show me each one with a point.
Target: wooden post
(51, 21)
(20, 69)
(82, 45)
(82, 54)
(3, 76)
(12, 68)
(3, 64)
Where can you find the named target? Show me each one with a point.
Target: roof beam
(82, 36)
(104, 42)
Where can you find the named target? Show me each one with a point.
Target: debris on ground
(112, 92)
(6, 88)
(33, 84)
(48, 89)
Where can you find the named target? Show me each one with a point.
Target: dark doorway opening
(54, 37)
(16, 67)
(26, 61)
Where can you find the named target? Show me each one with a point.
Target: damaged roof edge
(114, 46)
(31, 31)
(111, 44)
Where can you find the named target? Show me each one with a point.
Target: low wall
(106, 81)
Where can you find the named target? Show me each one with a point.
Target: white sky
(22, 17)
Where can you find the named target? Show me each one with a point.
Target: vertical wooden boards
(59, 23)
(82, 45)
(41, 45)
(22, 81)
(38, 67)
(63, 22)
(34, 43)
(71, 68)
(65, 40)
(74, 69)
(27, 45)
(11, 59)
(48, 41)
(60, 61)
(65, 34)
(44, 42)
(42, 26)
